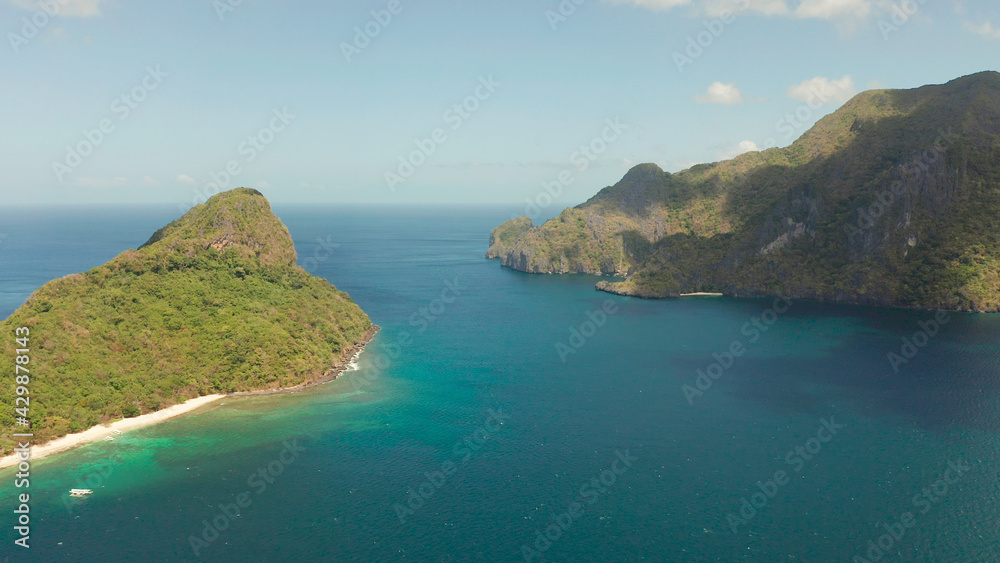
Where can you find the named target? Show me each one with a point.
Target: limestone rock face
(238, 221)
(894, 199)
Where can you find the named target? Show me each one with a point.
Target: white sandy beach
(701, 294)
(96, 433)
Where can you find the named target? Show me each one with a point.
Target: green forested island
(894, 199)
(212, 303)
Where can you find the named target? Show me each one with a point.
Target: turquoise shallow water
(465, 398)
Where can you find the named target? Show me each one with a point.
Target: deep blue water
(424, 411)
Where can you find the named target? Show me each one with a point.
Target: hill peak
(238, 221)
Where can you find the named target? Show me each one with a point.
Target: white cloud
(56, 35)
(986, 30)
(837, 10)
(834, 9)
(822, 90)
(263, 185)
(740, 148)
(185, 179)
(101, 183)
(715, 8)
(66, 8)
(719, 93)
(149, 180)
(654, 4)
(677, 165)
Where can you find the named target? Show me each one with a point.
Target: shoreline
(96, 433)
(817, 299)
(329, 375)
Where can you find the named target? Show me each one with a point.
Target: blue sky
(271, 90)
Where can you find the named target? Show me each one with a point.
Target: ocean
(502, 416)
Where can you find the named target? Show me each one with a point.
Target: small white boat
(80, 492)
(116, 431)
(109, 438)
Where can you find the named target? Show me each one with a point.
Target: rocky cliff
(894, 199)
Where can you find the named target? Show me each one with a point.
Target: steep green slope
(213, 303)
(894, 199)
